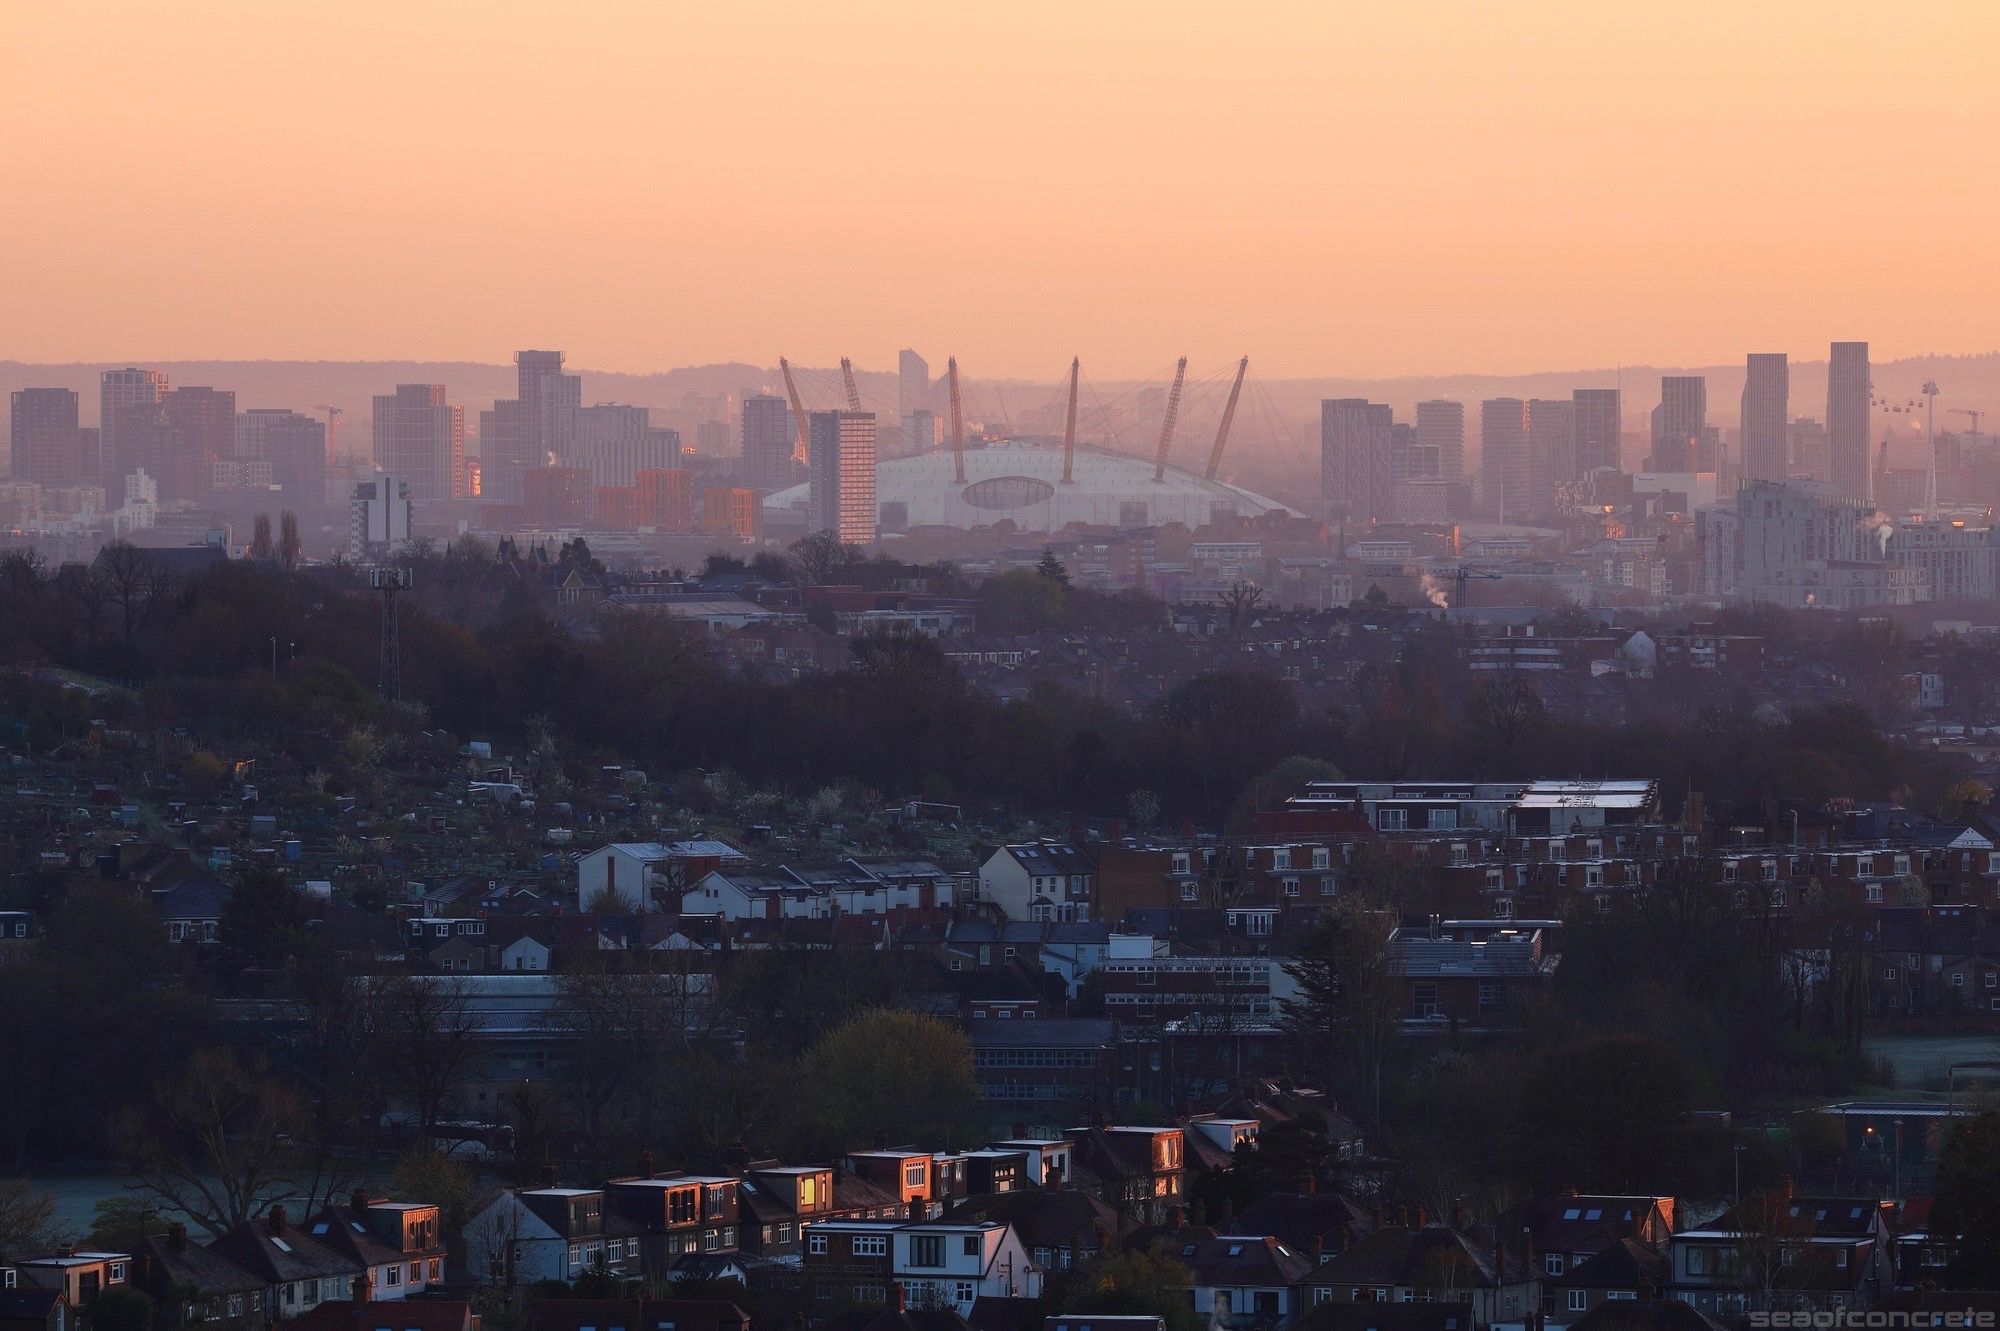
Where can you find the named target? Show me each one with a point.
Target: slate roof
(1044, 1218)
(1636, 1315)
(1302, 1219)
(279, 1253)
(1369, 1316)
(170, 1262)
(1243, 1259)
(1395, 1255)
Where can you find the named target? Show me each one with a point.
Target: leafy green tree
(903, 1075)
(1347, 1015)
(1053, 569)
(1135, 1284)
(121, 1309)
(1609, 1113)
(264, 920)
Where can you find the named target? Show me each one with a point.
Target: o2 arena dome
(1022, 481)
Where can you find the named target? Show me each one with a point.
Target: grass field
(1920, 1060)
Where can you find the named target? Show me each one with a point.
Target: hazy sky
(1400, 186)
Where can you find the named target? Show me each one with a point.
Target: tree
(819, 557)
(1967, 1212)
(1609, 1112)
(122, 1309)
(260, 538)
(1134, 1284)
(132, 585)
(423, 1033)
(264, 920)
(1241, 601)
(905, 1075)
(218, 1146)
(1347, 1014)
(123, 1221)
(27, 1217)
(291, 550)
(1052, 568)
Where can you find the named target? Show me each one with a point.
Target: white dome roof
(1023, 481)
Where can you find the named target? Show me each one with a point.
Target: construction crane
(801, 447)
(333, 415)
(1969, 412)
(1930, 392)
(1069, 425)
(1167, 422)
(1465, 573)
(957, 424)
(1228, 415)
(847, 377)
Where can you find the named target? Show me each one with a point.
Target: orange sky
(1335, 187)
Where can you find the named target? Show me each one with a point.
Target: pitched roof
(172, 1260)
(1302, 1218)
(1041, 1217)
(280, 1253)
(1395, 1255)
(1243, 1259)
(1626, 1264)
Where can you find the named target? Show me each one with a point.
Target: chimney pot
(277, 1218)
(361, 1199)
(896, 1295)
(177, 1236)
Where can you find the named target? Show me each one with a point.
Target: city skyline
(366, 179)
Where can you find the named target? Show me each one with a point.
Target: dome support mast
(957, 425)
(1069, 426)
(1228, 415)
(1167, 423)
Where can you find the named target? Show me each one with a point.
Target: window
(871, 1245)
(1552, 1263)
(962, 1291)
(117, 1272)
(1188, 892)
(806, 1191)
(393, 1275)
(1426, 994)
(971, 1245)
(1576, 1300)
(927, 1250)
(1392, 820)
(816, 1244)
(916, 1173)
(1874, 894)
(1489, 995)
(1291, 887)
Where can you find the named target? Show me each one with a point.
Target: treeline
(242, 648)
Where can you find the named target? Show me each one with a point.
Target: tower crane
(957, 424)
(1069, 425)
(801, 445)
(1463, 574)
(1167, 423)
(1972, 414)
(847, 377)
(333, 415)
(1228, 415)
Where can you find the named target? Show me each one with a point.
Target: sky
(1333, 187)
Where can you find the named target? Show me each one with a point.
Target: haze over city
(1356, 190)
(999, 665)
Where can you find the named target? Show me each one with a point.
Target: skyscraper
(118, 391)
(1599, 419)
(1767, 415)
(1357, 459)
(1551, 452)
(506, 449)
(1441, 437)
(421, 438)
(550, 400)
(843, 474)
(1503, 455)
(293, 444)
(768, 433)
(913, 385)
(1679, 423)
(48, 444)
(1847, 397)
(203, 421)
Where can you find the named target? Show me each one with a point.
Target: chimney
(896, 1296)
(1527, 1253)
(360, 1199)
(1176, 1219)
(358, 1291)
(177, 1236)
(1319, 1249)
(916, 1210)
(1785, 1186)
(1422, 1219)
(647, 1165)
(548, 1175)
(1311, 1185)
(1499, 1259)
(1458, 1213)
(277, 1219)
(1020, 1132)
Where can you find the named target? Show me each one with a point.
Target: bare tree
(131, 584)
(423, 1034)
(219, 1146)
